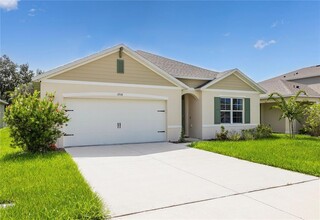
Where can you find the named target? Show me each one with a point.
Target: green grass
(301, 154)
(44, 186)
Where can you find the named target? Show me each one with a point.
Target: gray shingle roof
(178, 69)
(285, 84)
(286, 87)
(306, 72)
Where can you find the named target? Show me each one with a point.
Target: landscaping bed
(301, 154)
(43, 186)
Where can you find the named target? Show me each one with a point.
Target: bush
(312, 123)
(222, 135)
(181, 138)
(263, 131)
(35, 123)
(234, 136)
(248, 134)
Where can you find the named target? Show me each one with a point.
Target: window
(231, 110)
(225, 110)
(120, 66)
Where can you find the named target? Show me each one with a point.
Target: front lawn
(301, 154)
(43, 186)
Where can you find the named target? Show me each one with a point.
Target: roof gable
(95, 57)
(233, 80)
(105, 70)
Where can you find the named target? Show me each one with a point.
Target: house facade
(307, 79)
(123, 96)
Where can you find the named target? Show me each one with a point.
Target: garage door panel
(95, 121)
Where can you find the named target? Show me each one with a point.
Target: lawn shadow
(22, 156)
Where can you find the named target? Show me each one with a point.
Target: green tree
(291, 108)
(312, 123)
(35, 124)
(12, 75)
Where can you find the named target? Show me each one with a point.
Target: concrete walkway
(172, 181)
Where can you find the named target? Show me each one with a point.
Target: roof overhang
(266, 96)
(240, 75)
(104, 53)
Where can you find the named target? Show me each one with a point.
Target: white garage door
(112, 121)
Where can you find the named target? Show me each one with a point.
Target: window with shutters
(231, 110)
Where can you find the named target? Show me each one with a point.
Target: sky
(263, 39)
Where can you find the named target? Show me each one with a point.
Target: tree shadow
(22, 156)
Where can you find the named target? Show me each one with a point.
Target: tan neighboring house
(2, 106)
(307, 79)
(123, 96)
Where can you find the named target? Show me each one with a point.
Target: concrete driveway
(172, 181)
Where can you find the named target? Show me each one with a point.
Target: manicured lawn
(44, 186)
(301, 154)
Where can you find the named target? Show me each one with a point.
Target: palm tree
(292, 109)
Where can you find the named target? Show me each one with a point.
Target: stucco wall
(271, 117)
(209, 129)
(173, 96)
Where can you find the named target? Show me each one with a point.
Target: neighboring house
(123, 96)
(2, 105)
(307, 79)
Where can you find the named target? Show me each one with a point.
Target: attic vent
(297, 87)
(120, 66)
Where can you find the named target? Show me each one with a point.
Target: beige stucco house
(123, 96)
(307, 79)
(2, 106)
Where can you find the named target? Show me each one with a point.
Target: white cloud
(9, 4)
(260, 44)
(32, 12)
(277, 23)
(274, 24)
(227, 34)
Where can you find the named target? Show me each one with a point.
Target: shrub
(222, 135)
(263, 131)
(234, 136)
(312, 123)
(304, 130)
(248, 134)
(35, 123)
(181, 138)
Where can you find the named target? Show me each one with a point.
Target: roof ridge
(285, 86)
(177, 61)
